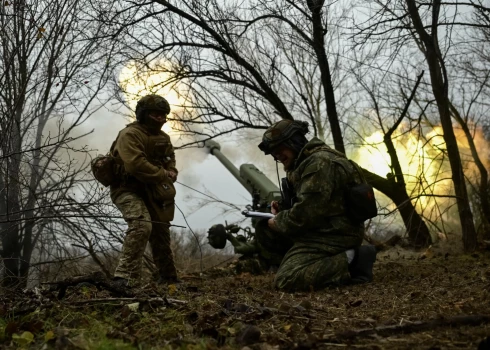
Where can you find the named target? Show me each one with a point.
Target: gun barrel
(249, 176)
(215, 150)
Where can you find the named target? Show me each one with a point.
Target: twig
(165, 300)
(417, 326)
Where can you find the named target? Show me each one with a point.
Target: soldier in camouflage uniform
(325, 239)
(145, 192)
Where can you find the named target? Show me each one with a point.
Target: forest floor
(429, 300)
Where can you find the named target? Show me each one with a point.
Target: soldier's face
(285, 155)
(157, 118)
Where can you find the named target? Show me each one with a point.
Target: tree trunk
(11, 230)
(439, 83)
(319, 47)
(418, 232)
(483, 190)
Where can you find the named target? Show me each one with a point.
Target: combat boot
(361, 268)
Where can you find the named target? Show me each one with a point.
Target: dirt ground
(429, 300)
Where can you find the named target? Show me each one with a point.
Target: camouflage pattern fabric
(281, 132)
(271, 246)
(143, 225)
(308, 267)
(160, 239)
(317, 222)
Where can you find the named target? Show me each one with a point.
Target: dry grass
(221, 307)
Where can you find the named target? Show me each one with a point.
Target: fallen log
(416, 326)
(97, 279)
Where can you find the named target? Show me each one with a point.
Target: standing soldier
(144, 192)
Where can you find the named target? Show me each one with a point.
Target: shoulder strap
(347, 170)
(350, 172)
(358, 170)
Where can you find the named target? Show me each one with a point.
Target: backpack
(103, 167)
(359, 195)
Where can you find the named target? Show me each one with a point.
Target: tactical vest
(158, 150)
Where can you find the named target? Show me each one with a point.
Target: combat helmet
(151, 103)
(283, 132)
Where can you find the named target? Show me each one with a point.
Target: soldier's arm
(131, 149)
(313, 197)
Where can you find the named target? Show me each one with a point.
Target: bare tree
(471, 109)
(54, 69)
(421, 23)
(395, 184)
(429, 43)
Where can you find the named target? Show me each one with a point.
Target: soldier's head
(284, 140)
(152, 110)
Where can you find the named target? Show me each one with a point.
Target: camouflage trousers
(271, 246)
(305, 265)
(308, 267)
(144, 224)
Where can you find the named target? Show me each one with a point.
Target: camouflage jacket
(146, 156)
(318, 213)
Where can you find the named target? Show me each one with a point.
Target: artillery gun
(263, 191)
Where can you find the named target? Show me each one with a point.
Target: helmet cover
(281, 132)
(151, 103)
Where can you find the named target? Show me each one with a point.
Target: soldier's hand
(172, 175)
(275, 207)
(272, 224)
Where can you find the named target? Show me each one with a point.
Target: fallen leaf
(24, 339)
(133, 307)
(49, 336)
(172, 289)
